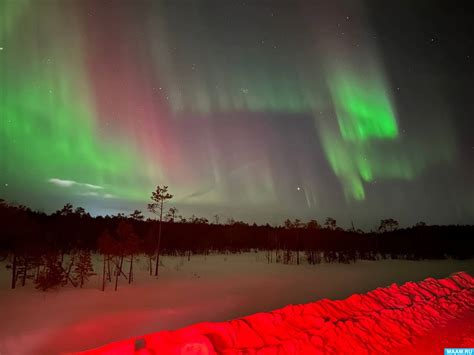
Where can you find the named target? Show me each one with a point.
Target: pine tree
(83, 268)
(52, 275)
(171, 215)
(137, 215)
(159, 198)
(330, 223)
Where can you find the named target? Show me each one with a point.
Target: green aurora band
(364, 115)
(47, 126)
(366, 145)
(362, 106)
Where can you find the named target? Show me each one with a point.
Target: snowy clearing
(207, 288)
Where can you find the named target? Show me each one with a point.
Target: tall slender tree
(149, 244)
(132, 246)
(159, 198)
(106, 244)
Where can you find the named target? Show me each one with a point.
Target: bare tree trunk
(14, 271)
(37, 272)
(150, 267)
(116, 279)
(25, 271)
(109, 273)
(159, 240)
(67, 275)
(68, 272)
(298, 248)
(119, 271)
(119, 267)
(158, 252)
(103, 275)
(130, 273)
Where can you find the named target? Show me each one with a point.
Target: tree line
(56, 250)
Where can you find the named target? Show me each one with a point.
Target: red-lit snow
(418, 317)
(212, 288)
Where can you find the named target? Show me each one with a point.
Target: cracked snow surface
(379, 322)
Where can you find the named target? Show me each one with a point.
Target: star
(298, 188)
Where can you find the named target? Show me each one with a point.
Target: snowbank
(379, 321)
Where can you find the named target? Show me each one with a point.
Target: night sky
(256, 110)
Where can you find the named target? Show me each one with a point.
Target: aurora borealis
(259, 110)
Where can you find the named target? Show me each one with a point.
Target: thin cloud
(62, 183)
(69, 183)
(89, 193)
(82, 188)
(92, 186)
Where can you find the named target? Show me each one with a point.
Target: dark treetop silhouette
(49, 249)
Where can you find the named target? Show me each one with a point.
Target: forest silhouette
(56, 249)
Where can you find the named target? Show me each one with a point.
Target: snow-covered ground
(208, 288)
(407, 319)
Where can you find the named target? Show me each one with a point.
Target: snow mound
(379, 321)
